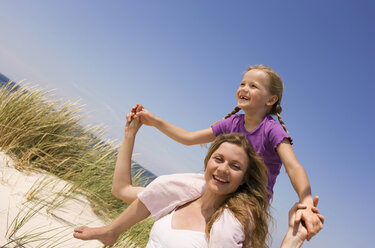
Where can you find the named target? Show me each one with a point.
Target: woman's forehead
(232, 152)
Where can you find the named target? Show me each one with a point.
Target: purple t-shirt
(264, 139)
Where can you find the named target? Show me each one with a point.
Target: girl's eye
(253, 86)
(242, 84)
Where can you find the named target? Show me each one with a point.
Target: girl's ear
(272, 100)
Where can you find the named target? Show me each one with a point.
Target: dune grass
(38, 236)
(41, 133)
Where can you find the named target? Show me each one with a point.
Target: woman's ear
(243, 181)
(272, 100)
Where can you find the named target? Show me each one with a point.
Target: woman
(235, 182)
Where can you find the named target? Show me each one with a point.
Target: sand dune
(39, 199)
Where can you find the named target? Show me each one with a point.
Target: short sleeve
(276, 134)
(226, 232)
(167, 192)
(223, 126)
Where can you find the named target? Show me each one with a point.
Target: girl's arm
(301, 185)
(296, 172)
(122, 187)
(178, 134)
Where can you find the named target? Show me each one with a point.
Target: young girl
(259, 96)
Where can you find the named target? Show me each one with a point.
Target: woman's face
(226, 169)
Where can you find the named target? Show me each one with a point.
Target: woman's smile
(226, 169)
(220, 180)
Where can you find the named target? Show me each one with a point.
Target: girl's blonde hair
(249, 203)
(276, 87)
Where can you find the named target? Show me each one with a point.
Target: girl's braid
(276, 87)
(235, 110)
(277, 112)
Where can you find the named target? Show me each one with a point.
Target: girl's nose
(245, 89)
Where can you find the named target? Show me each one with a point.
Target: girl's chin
(241, 104)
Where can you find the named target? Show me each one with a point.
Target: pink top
(226, 232)
(162, 235)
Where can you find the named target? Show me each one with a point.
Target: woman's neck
(252, 120)
(209, 203)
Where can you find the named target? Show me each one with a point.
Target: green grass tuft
(45, 134)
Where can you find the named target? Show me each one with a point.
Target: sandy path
(53, 215)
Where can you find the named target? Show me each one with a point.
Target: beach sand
(52, 217)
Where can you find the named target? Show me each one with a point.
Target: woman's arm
(301, 185)
(122, 187)
(176, 133)
(297, 233)
(108, 235)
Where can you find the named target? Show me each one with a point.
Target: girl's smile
(253, 91)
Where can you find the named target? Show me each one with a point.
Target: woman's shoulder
(179, 176)
(195, 182)
(228, 217)
(175, 190)
(227, 231)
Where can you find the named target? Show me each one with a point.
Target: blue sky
(183, 60)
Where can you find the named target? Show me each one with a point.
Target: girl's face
(253, 92)
(226, 168)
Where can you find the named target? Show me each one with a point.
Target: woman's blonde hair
(275, 87)
(249, 203)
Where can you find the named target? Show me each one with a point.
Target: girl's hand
(311, 218)
(132, 124)
(299, 228)
(145, 116)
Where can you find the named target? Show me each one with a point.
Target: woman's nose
(223, 168)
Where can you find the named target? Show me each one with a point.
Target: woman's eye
(235, 166)
(218, 159)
